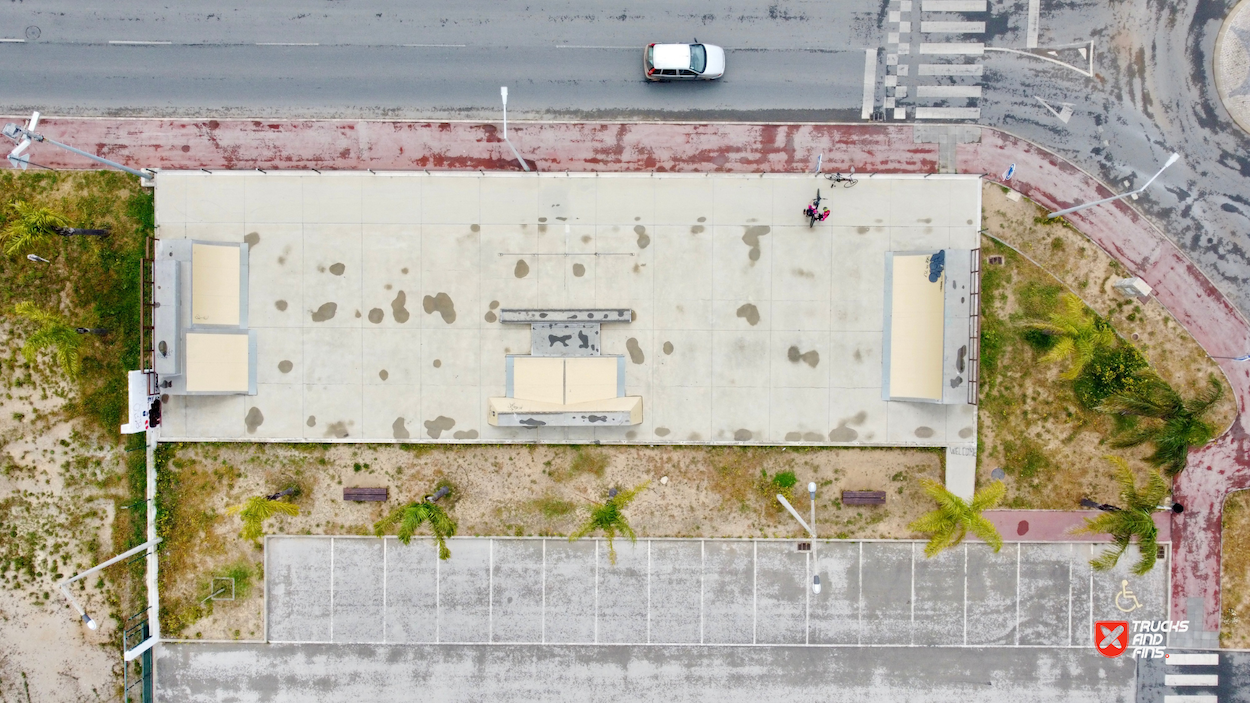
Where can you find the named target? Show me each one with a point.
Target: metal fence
(136, 675)
(974, 328)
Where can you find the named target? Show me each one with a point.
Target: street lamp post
(23, 136)
(1171, 160)
(503, 93)
(811, 489)
(64, 585)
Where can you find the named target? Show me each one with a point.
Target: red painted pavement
(1214, 471)
(1057, 525)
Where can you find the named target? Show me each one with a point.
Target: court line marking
(870, 83)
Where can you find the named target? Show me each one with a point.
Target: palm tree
(1132, 520)
(1172, 424)
(607, 516)
(54, 331)
(256, 511)
(1079, 334)
(32, 224)
(954, 518)
(414, 515)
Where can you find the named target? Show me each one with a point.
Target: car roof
(669, 56)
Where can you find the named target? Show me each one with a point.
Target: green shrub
(1111, 371)
(992, 343)
(784, 480)
(1038, 300)
(1038, 340)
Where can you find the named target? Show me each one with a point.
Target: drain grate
(804, 546)
(996, 260)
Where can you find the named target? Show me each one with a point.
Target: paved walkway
(1214, 472)
(1057, 525)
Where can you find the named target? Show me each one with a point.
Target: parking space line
(596, 591)
(331, 589)
(1071, 554)
(1017, 594)
(859, 630)
(490, 592)
(807, 614)
(648, 591)
(702, 569)
(438, 601)
(912, 640)
(965, 593)
(543, 625)
(755, 591)
(383, 590)
(1091, 602)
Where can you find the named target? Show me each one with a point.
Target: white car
(683, 62)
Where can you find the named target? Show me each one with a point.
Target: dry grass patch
(1235, 574)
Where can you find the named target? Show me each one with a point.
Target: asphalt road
(1151, 92)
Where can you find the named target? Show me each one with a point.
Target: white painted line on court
(948, 91)
(965, 593)
(870, 82)
(124, 42)
(948, 113)
(490, 592)
(1192, 659)
(949, 69)
(952, 27)
(953, 48)
(1191, 698)
(543, 625)
(955, 5)
(287, 43)
(1035, 7)
(1191, 680)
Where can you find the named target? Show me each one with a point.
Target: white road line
(948, 113)
(648, 591)
(286, 43)
(955, 5)
(952, 27)
(870, 82)
(331, 589)
(543, 625)
(1192, 698)
(1035, 7)
(859, 630)
(755, 591)
(490, 592)
(435, 46)
(596, 591)
(123, 42)
(383, 590)
(702, 568)
(965, 585)
(1191, 680)
(949, 69)
(580, 46)
(1071, 550)
(807, 626)
(948, 91)
(12, 41)
(438, 603)
(1192, 659)
(1017, 594)
(913, 593)
(953, 48)
(1091, 602)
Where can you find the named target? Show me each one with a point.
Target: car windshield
(698, 58)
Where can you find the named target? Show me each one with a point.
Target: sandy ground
(713, 492)
(1043, 413)
(1235, 573)
(56, 512)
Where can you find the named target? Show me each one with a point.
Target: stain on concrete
(858, 355)
(696, 229)
(337, 269)
(965, 433)
(404, 270)
(812, 437)
(695, 436)
(631, 435)
(467, 434)
(668, 347)
(924, 432)
(280, 305)
(752, 239)
(794, 436)
(376, 316)
(312, 421)
(285, 366)
(633, 315)
(960, 358)
(398, 430)
(321, 269)
(579, 270)
(532, 422)
(387, 287)
(252, 239)
(490, 316)
(337, 429)
(925, 220)
(325, 312)
(957, 381)
(542, 219)
(585, 239)
(494, 305)
(398, 311)
(522, 269)
(357, 314)
(862, 230)
(661, 431)
(804, 273)
(701, 219)
(438, 363)
(842, 433)
(742, 435)
(438, 425)
(811, 358)
(750, 313)
(475, 228)
(384, 374)
(255, 418)
(635, 351)
(644, 240)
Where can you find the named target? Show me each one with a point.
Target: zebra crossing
(932, 60)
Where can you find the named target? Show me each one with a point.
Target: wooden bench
(863, 497)
(375, 495)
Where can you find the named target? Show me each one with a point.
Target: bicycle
(849, 181)
(813, 211)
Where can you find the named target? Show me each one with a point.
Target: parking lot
(694, 591)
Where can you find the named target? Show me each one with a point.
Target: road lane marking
(948, 91)
(587, 46)
(127, 42)
(1192, 698)
(953, 27)
(1191, 680)
(286, 43)
(1087, 74)
(870, 82)
(1192, 659)
(955, 5)
(950, 69)
(948, 113)
(1064, 113)
(12, 41)
(1034, 13)
(953, 48)
(436, 46)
